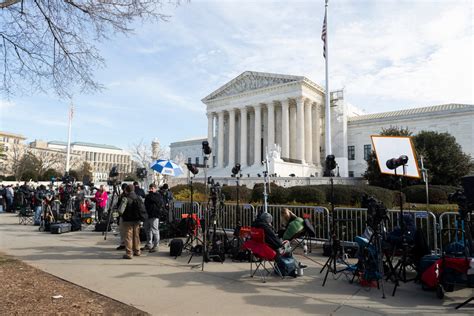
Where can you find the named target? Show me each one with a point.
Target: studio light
(205, 148)
(192, 168)
(236, 169)
(394, 163)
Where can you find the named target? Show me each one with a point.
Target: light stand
(191, 224)
(266, 183)
(206, 152)
(236, 173)
(336, 248)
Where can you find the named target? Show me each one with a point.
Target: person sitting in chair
(292, 226)
(264, 221)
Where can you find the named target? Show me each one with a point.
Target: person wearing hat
(264, 221)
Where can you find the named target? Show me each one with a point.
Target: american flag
(323, 33)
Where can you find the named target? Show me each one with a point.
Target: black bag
(60, 228)
(102, 226)
(176, 247)
(142, 234)
(286, 265)
(76, 224)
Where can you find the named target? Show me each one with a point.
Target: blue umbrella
(166, 167)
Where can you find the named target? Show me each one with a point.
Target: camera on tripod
(376, 211)
(464, 197)
(113, 177)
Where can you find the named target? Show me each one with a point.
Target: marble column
(231, 138)
(220, 139)
(300, 155)
(316, 135)
(285, 129)
(243, 136)
(308, 135)
(210, 135)
(292, 132)
(271, 124)
(257, 161)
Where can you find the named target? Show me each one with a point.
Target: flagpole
(328, 94)
(68, 155)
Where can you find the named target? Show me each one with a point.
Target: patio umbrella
(166, 167)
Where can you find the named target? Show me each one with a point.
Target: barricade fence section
(178, 208)
(450, 228)
(349, 222)
(227, 215)
(352, 222)
(317, 215)
(424, 220)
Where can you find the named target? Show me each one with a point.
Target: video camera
(376, 211)
(113, 177)
(464, 197)
(215, 192)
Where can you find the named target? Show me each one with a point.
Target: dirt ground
(26, 290)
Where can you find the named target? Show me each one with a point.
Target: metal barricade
(450, 221)
(423, 220)
(178, 208)
(319, 217)
(227, 218)
(349, 223)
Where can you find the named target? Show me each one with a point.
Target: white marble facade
(283, 114)
(256, 113)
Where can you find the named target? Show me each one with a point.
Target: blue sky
(387, 55)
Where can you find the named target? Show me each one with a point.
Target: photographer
(133, 214)
(167, 196)
(40, 195)
(100, 202)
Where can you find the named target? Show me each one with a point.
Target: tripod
(110, 217)
(266, 185)
(372, 252)
(399, 272)
(337, 253)
(191, 225)
(217, 249)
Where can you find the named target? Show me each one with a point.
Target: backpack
(286, 265)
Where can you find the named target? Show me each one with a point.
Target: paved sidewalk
(161, 285)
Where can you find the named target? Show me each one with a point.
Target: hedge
(438, 194)
(344, 195)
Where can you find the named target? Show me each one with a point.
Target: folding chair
(26, 216)
(262, 253)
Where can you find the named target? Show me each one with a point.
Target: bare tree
(50, 43)
(14, 157)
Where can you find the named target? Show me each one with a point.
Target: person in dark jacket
(133, 214)
(264, 221)
(154, 206)
(139, 191)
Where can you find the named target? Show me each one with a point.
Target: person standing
(40, 195)
(100, 202)
(139, 191)
(133, 214)
(9, 195)
(154, 206)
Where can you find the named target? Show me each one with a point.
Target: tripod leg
(328, 268)
(464, 303)
(325, 265)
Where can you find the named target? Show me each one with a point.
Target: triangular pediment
(250, 80)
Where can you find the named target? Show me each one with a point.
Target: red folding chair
(261, 254)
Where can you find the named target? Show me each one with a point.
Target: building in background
(283, 115)
(12, 145)
(101, 157)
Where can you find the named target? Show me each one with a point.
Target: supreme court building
(282, 117)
